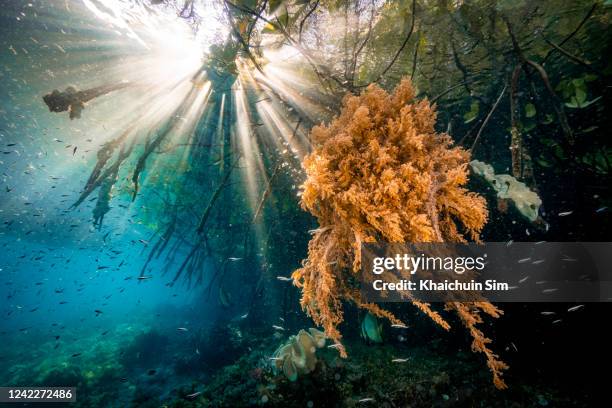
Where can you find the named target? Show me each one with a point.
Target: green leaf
(273, 5)
(283, 18)
(580, 96)
(543, 162)
(472, 113)
(575, 105)
(548, 119)
(589, 129)
(579, 83)
(530, 110)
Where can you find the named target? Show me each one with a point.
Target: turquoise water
(103, 307)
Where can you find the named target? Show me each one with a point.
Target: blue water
(77, 308)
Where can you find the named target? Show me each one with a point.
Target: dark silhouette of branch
(73, 101)
(277, 26)
(557, 103)
(573, 33)
(573, 57)
(416, 53)
(516, 141)
(399, 51)
(215, 196)
(488, 117)
(270, 181)
(306, 17)
(447, 91)
(245, 46)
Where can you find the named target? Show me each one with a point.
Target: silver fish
(400, 360)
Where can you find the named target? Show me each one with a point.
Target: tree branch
(484, 123)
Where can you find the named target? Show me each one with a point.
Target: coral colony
(379, 172)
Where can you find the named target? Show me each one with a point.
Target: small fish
(574, 308)
(539, 261)
(557, 321)
(274, 358)
(275, 327)
(568, 259)
(546, 291)
(182, 329)
(509, 243)
(76, 354)
(547, 313)
(194, 395)
(368, 399)
(283, 278)
(565, 213)
(123, 379)
(399, 326)
(152, 372)
(400, 360)
(523, 279)
(234, 259)
(601, 209)
(74, 151)
(144, 277)
(334, 346)
(524, 260)
(98, 312)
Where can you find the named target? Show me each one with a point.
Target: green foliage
(575, 91)
(472, 114)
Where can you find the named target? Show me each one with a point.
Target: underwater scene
(190, 190)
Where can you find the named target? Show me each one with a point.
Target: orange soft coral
(380, 172)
